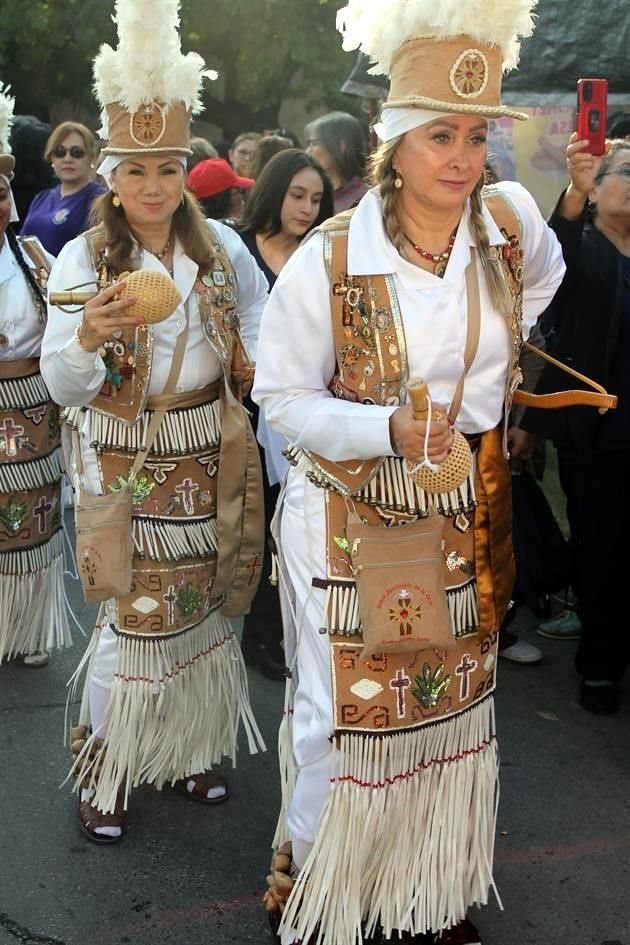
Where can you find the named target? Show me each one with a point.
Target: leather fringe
(393, 488)
(406, 838)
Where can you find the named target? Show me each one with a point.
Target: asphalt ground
(187, 874)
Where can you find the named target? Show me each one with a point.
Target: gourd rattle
(454, 470)
(156, 295)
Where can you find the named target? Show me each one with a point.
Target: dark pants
(264, 621)
(602, 497)
(572, 475)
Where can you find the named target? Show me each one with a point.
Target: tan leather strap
(567, 398)
(169, 387)
(158, 415)
(473, 327)
(20, 367)
(187, 399)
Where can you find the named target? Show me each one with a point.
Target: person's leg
(603, 653)
(262, 630)
(96, 825)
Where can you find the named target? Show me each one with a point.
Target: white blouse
(75, 376)
(296, 356)
(20, 326)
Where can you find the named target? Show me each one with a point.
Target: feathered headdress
(442, 55)
(148, 90)
(7, 103)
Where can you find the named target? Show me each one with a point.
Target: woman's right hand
(407, 435)
(583, 167)
(103, 315)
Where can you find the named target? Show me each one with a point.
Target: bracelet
(77, 337)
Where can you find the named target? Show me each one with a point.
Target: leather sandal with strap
(90, 819)
(196, 787)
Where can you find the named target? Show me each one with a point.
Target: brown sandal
(90, 818)
(202, 783)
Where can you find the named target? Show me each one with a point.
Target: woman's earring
(116, 200)
(398, 181)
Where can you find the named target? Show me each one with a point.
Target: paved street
(191, 875)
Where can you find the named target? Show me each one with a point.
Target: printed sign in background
(533, 152)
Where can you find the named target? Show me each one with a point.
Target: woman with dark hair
(266, 148)
(59, 214)
(291, 196)
(337, 140)
(33, 173)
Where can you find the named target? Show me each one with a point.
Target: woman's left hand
(521, 444)
(407, 435)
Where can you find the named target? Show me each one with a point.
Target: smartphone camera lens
(588, 91)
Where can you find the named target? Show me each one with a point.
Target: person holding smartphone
(592, 319)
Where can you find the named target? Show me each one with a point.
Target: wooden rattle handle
(418, 392)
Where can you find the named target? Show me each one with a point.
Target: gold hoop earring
(116, 200)
(398, 182)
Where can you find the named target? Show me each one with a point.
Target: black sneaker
(601, 698)
(464, 933)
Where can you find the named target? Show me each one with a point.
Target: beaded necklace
(440, 260)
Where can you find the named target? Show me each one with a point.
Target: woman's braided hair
(36, 290)
(383, 175)
(498, 289)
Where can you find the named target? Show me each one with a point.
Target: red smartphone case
(592, 113)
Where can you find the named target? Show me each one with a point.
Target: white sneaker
(36, 660)
(522, 652)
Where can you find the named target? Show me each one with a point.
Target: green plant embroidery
(142, 488)
(189, 598)
(342, 543)
(53, 421)
(13, 515)
(111, 376)
(431, 686)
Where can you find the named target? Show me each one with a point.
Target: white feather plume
(148, 64)
(7, 103)
(378, 28)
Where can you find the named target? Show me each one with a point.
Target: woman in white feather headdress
(166, 688)
(389, 759)
(33, 606)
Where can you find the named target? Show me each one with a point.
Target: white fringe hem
(407, 835)
(34, 610)
(175, 709)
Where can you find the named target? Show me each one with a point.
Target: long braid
(382, 174)
(27, 272)
(498, 289)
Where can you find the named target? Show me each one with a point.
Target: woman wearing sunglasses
(59, 214)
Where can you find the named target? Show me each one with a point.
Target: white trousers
(303, 541)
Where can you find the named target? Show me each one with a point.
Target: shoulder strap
(502, 210)
(35, 252)
(96, 241)
(473, 328)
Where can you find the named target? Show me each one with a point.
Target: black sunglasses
(74, 152)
